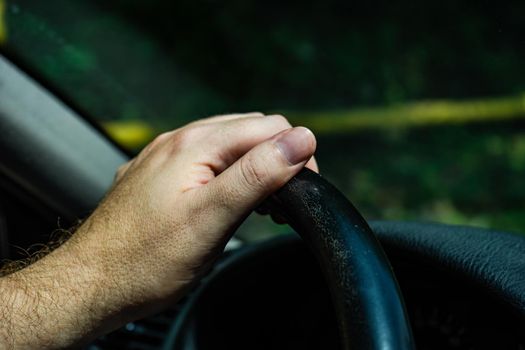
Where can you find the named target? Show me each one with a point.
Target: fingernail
(297, 145)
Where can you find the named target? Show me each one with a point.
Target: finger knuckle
(281, 120)
(253, 175)
(157, 141)
(190, 135)
(202, 121)
(162, 137)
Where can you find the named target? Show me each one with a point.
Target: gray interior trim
(49, 150)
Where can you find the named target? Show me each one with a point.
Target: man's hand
(168, 216)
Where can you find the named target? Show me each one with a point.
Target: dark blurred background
(419, 107)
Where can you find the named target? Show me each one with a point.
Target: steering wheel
(367, 300)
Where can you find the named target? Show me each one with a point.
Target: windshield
(418, 106)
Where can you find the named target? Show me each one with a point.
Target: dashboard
(273, 296)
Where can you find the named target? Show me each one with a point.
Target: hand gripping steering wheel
(368, 305)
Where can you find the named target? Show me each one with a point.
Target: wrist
(115, 266)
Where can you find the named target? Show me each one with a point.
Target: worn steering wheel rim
(367, 300)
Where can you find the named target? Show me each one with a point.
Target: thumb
(259, 173)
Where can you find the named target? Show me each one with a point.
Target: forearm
(57, 302)
(167, 218)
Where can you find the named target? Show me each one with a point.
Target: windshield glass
(418, 106)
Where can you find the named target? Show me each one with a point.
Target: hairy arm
(53, 302)
(65, 298)
(168, 216)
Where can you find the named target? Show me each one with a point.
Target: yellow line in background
(135, 134)
(3, 26)
(132, 134)
(412, 114)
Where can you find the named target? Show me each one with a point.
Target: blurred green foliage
(331, 63)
